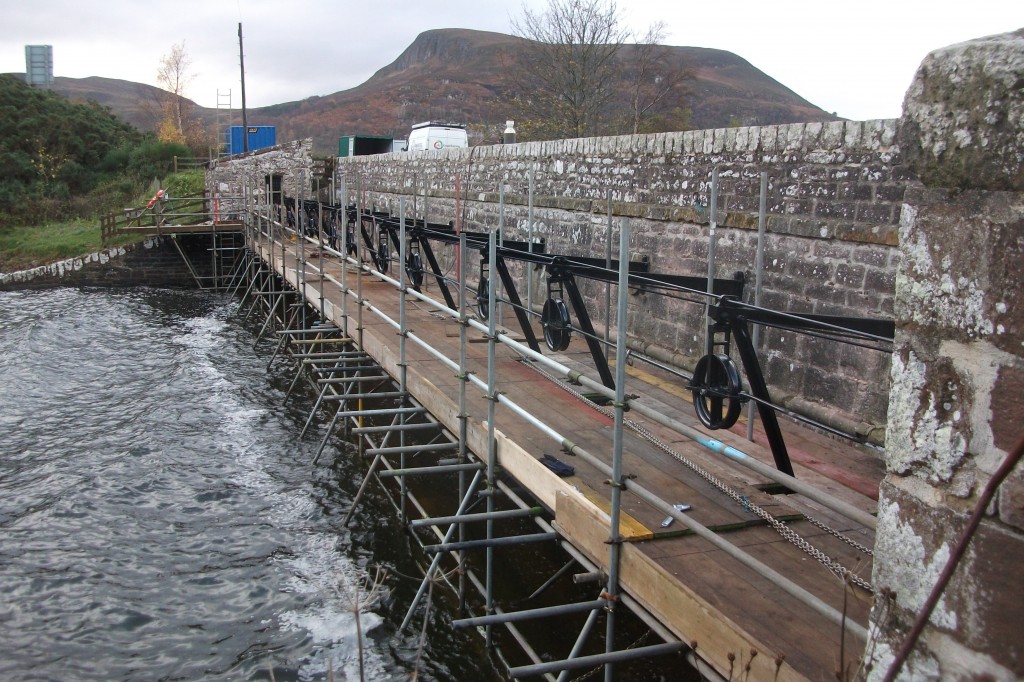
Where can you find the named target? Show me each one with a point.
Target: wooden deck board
(697, 591)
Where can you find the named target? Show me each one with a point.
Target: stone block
(962, 115)
(873, 212)
(886, 192)
(850, 275)
(879, 281)
(832, 135)
(792, 136)
(1008, 406)
(728, 141)
(708, 146)
(966, 297)
(845, 210)
(854, 191)
(915, 539)
(812, 135)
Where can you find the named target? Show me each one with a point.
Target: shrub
(153, 159)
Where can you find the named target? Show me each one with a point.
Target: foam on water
(158, 514)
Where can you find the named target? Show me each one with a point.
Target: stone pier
(957, 396)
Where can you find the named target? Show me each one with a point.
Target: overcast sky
(855, 58)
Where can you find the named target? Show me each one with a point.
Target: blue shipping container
(259, 137)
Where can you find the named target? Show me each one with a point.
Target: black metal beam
(587, 328)
(435, 269)
(881, 329)
(758, 387)
(517, 305)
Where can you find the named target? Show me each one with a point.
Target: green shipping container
(362, 145)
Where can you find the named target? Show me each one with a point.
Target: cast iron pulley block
(483, 296)
(350, 239)
(414, 269)
(717, 391)
(557, 326)
(382, 259)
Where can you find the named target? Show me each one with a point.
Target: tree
(569, 69)
(654, 82)
(578, 76)
(174, 76)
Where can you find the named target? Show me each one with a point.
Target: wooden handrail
(113, 224)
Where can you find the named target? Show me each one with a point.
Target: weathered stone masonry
(153, 262)
(957, 403)
(834, 197)
(246, 175)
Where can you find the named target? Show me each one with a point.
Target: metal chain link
(833, 532)
(780, 527)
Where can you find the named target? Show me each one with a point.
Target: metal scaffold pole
(495, 282)
(463, 416)
(758, 276)
(359, 312)
(359, 278)
(320, 248)
(435, 562)
(608, 266)
(712, 244)
(529, 244)
(492, 450)
(402, 359)
(344, 256)
(300, 237)
(614, 539)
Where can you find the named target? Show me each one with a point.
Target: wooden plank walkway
(712, 602)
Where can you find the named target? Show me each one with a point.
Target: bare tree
(578, 76)
(174, 76)
(570, 70)
(656, 84)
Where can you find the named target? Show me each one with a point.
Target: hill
(135, 103)
(463, 75)
(64, 158)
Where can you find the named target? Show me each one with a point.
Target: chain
(833, 532)
(780, 527)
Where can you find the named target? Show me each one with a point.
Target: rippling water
(160, 518)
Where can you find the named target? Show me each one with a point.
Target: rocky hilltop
(463, 75)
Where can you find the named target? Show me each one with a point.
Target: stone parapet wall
(833, 206)
(230, 181)
(838, 180)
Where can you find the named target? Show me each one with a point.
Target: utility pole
(241, 62)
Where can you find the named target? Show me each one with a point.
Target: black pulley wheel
(716, 389)
(414, 269)
(555, 320)
(350, 241)
(382, 259)
(483, 296)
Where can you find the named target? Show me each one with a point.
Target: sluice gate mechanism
(491, 443)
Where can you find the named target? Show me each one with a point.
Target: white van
(437, 135)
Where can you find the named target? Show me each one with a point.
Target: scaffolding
(225, 118)
(301, 277)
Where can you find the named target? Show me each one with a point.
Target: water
(160, 519)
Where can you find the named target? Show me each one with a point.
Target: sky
(855, 58)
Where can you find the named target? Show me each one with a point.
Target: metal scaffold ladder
(225, 118)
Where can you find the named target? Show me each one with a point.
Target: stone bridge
(919, 218)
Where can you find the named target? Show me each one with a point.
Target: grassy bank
(23, 247)
(27, 246)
